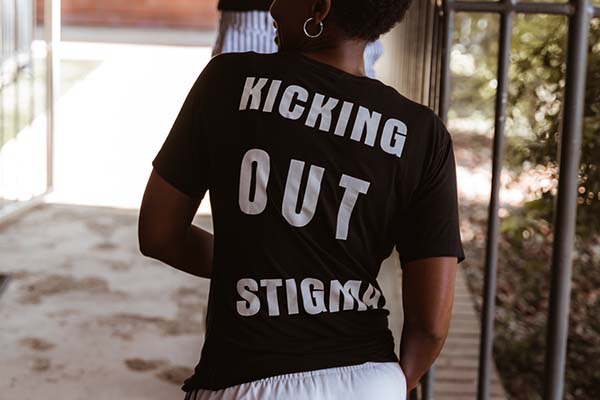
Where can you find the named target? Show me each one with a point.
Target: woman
(247, 25)
(315, 173)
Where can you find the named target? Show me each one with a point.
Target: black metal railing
(17, 105)
(580, 13)
(16, 37)
(17, 19)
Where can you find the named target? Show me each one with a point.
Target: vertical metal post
(413, 395)
(493, 232)
(52, 33)
(4, 279)
(18, 67)
(33, 17)
(2, 59)
(446, 56)
(566, 203)
(437, 37)
(427, 384)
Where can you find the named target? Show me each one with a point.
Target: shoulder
(227, 70)
(242, 62)
(419, 116)
(425, 129)
(223, 72)
(224, 63)
(416, 110)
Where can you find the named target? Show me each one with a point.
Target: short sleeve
(184, 158)
(430, 225)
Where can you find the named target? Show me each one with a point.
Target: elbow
(435, 336)
(433, 333)
(151, 246)
(160, 244)
(438, 330)
(146, 247)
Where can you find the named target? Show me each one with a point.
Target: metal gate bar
(566, 204)
(4, 279)
(448, 17)
(427, 382)
(434, 67)
(512, 7)
(493, 232)
(16, 63)
(52, 21)
(580, 13)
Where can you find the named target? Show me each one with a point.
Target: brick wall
(194, 14)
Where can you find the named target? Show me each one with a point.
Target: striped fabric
(373, 52)
(253, 31)
(245, 31)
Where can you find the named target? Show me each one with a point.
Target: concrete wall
(187, 14)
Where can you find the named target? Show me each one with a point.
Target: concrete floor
(85, 316)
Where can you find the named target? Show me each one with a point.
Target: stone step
(458, 375)
(446, 389)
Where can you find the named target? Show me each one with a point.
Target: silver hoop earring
(306, 29)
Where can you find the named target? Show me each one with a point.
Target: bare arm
(166, 233)
(428, 296)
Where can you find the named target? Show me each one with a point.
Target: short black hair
(368, 19)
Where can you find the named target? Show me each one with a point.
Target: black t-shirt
(244, 5)
(314, 176)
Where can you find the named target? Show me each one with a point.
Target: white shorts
(369, 381)
(242, 31)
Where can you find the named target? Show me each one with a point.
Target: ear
(321, 9)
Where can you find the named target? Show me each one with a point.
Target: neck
(346, 56)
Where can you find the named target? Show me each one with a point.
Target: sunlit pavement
(85, 316)
(111, 124)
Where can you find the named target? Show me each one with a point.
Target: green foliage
(536, 95)
(474, 66)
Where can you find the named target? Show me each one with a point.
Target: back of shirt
(314, 176)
